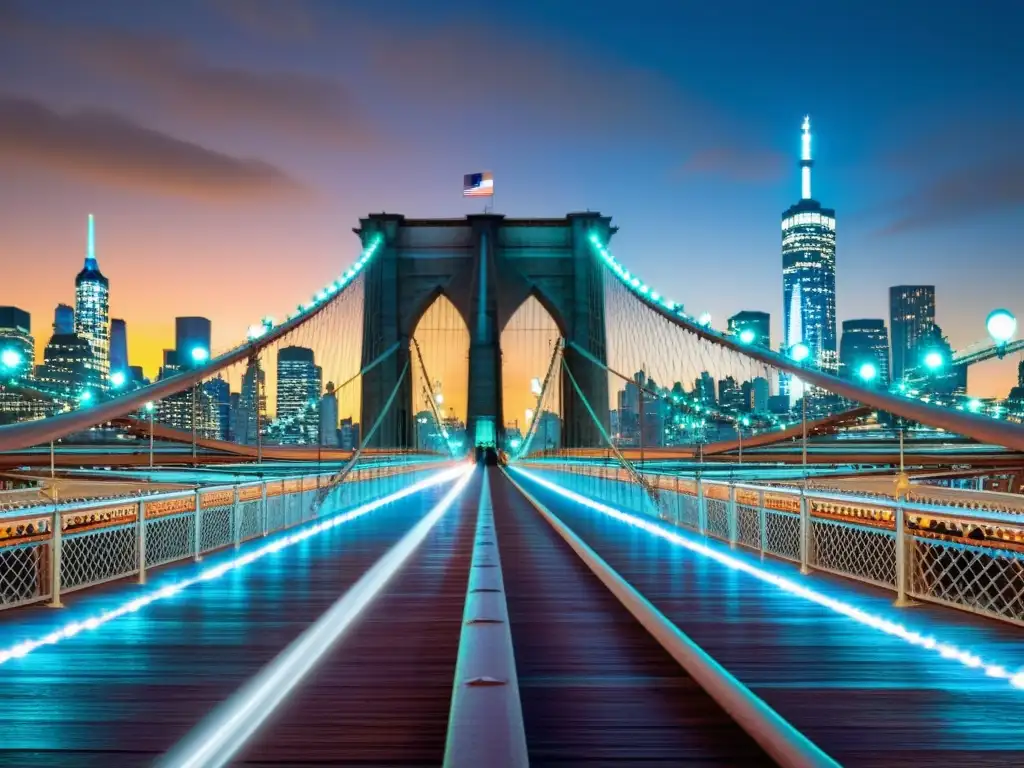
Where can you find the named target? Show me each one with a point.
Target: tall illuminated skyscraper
(299, 381)
(912, 319)
(64, 320)
(92, 314)
(119, 348)
(809, 269)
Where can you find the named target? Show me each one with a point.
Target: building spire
(90, 246)
(805, 159)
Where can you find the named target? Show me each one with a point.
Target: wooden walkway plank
(382, 695)
(126, 692)
(596, 688)
(866, 698)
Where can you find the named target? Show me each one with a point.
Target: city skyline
(895, 177)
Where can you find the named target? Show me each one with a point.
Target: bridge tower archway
(487, 265)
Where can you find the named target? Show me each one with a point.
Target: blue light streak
(221, 735)
(25, 647)
(892, 628)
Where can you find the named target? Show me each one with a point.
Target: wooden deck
(124, 693)
(382, 695)
(597, 689)
(866, 698)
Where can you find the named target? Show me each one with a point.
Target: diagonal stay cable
(430, 400)
(342, 473)
(627, 465)
(524, 449)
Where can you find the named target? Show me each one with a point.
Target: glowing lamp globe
(868, 371)
(1001, 326)
(10, 358)
(200, 355)
(933, 360)
(747, 336)
(704, 319)
(117, 378)
(799, 352)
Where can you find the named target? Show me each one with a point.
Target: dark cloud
(174, 73)
(287, 20)
(992, 185)
(735, 163)
(106, 148)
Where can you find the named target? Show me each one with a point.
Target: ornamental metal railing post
(677, 506)
(140, 540)
(762, 522)
(197, 539)
(805, 531)
(236, 518)
(901, 556)
(702, 508)
(264, 506)
(733, 521)
(55, 556)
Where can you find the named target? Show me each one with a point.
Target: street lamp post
(799, 352)
(803, 423)
(195, 418)
(151, 410)
(199, 356)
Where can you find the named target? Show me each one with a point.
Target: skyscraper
(92, 314)
(65, 367)
(912, 320)
(299, 381)
(249, 418)
(809, 269)
(192, 341)
(64, 320)
(759, 323)
(16, 336)
(119, 348)
(865, 341)
(215, 409)
(329, 417)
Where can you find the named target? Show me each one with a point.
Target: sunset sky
(227, 148)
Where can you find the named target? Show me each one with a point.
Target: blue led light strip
(224, 732)
(946, 650)
(76, 627)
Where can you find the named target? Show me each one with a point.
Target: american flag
(478, 185)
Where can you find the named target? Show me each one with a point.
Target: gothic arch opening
(439, 370)
(528, 342)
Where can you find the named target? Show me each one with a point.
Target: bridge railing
(46, 552)
(971, 560)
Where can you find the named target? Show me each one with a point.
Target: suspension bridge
(632, 572)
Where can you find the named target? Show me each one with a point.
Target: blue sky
(227, 140)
